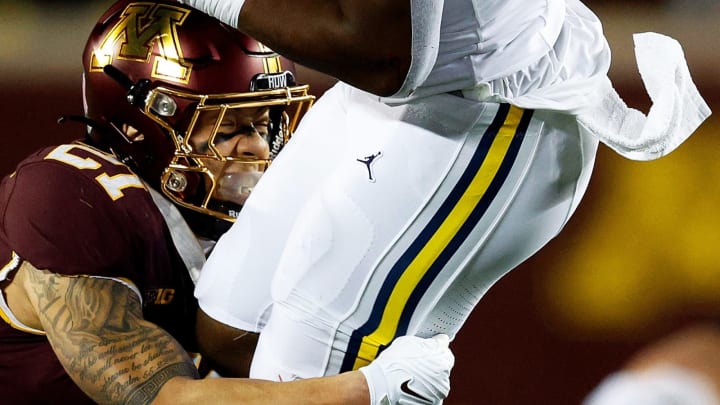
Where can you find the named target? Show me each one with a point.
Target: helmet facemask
(223, 142)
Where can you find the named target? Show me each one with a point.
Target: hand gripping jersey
(76, 211)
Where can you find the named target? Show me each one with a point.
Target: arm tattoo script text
(98, 332)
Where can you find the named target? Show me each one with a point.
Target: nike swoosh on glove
(412, 370)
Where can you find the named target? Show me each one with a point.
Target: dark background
(639, 259)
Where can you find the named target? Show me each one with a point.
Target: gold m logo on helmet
(142, 27)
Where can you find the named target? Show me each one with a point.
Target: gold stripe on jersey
(457, 216)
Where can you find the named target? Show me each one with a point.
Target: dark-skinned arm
(226, 350)
(366, 43)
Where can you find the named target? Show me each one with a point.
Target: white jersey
(513, 46)
(389, 217)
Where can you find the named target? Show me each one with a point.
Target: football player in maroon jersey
(100, 238)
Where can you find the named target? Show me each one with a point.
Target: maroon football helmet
(193, 106)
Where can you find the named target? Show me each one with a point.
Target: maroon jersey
(76, 211)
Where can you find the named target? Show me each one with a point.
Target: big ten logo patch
(160, 296)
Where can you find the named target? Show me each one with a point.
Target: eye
(228, 123)
(262, 128)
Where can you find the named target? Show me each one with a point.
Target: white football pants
(380, 221)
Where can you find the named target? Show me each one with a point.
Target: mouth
(236, 187)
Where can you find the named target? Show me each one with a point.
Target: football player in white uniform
(459, 141)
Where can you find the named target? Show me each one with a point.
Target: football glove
(410, 371)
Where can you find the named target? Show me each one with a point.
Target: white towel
(677, 107)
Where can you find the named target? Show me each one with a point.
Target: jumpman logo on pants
(368, 161)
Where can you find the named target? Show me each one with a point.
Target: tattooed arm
(98, 333)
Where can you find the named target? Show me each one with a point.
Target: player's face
(242, 138)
